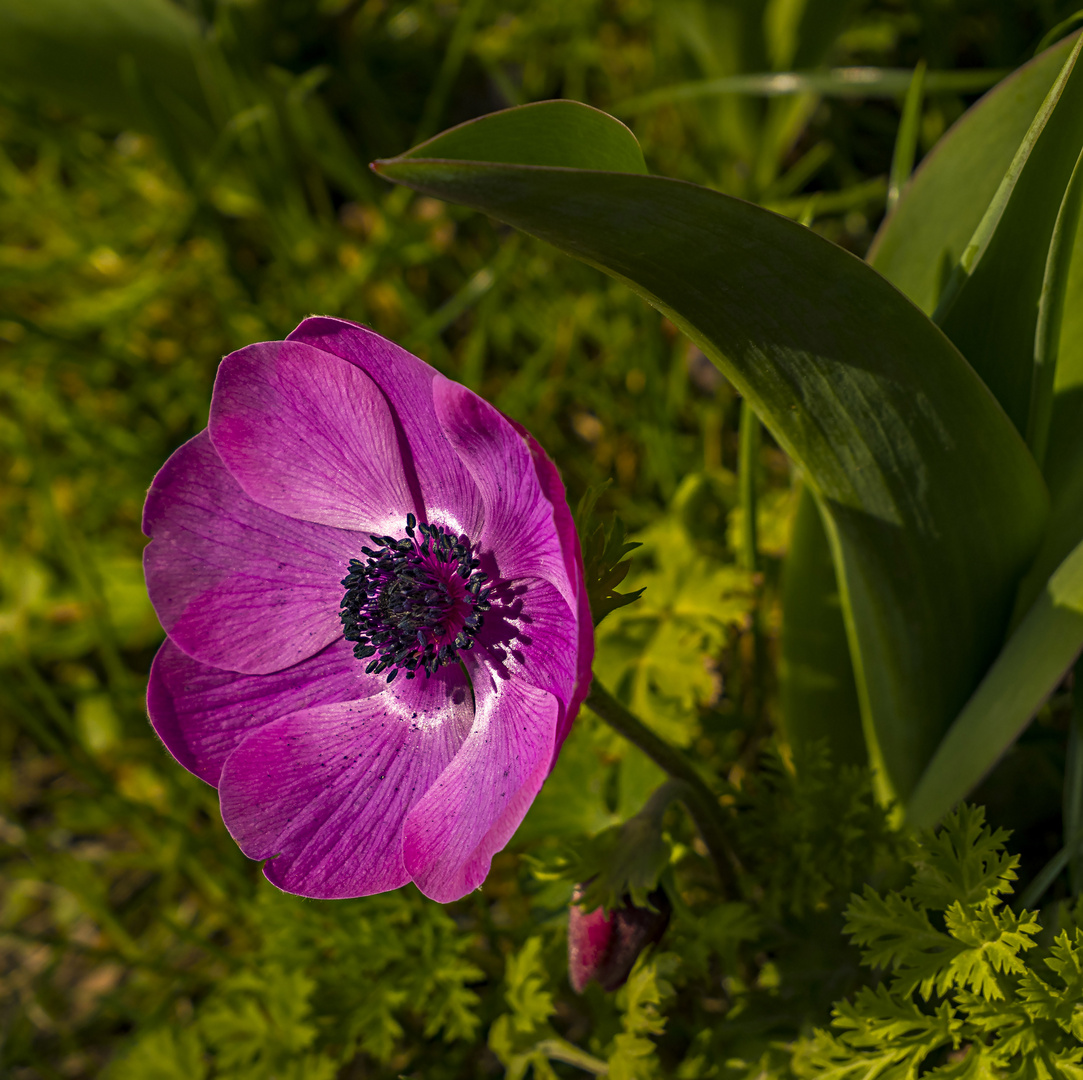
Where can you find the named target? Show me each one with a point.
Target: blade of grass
(457, 48)
(835, 82)
(906, 142)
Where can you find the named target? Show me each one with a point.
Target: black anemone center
(413, 603)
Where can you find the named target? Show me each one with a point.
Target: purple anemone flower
(377, 624)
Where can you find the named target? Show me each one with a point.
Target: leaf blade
(990, 306)
(944, 202)
(1030, 666)
(927, 535)
(817, 693)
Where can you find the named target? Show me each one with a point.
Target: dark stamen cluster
(403, 606)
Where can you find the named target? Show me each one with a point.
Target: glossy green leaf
(134, 61)
(1051, 304)
(933, 505)
(563, 134)
(1026, 672)
(939, 212)
(915, 248)
(990, 306)
(919, 244)
(1063, 457)
(818, 696)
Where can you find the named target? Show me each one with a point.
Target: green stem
(699, 800)
(747, 465)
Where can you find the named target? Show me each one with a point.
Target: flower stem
(699, 800)
(748, 466)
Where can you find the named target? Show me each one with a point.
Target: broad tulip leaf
(921, 241)
(133, 61)
(915, 248)
(557, 133)
(1062, 452)
(990, 308)
(1031, 665)
(933, 505)
(1051, 305)
(818, 696)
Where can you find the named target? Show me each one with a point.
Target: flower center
(412, 604)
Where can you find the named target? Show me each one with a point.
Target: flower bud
(604, 947)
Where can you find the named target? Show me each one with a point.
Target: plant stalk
(748, 465)
(699, 800)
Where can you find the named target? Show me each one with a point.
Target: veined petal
(202, 713)
(446, 490)
(311, 436)
(532, 634)
(234, 584)
(553, 487)
(323, 793)
(471, 811)
(520, 528)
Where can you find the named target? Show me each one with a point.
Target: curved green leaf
(918, 244)
(561, 134)
(818, 697)
(939, 212)
(990, 306)
(1063, 460)
(1027, 671)
(933, 505)
(1056, 296)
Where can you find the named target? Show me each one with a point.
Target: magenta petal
(323, 793)
(310, 436)
(475, 806)
(448, 492)
(234, 584)
(520, 529)
(202, 713)
(573, 557)
(533, 638)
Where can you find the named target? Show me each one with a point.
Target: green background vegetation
(133, 935)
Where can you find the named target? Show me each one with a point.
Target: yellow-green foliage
(967, 990)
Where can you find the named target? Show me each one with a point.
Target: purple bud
(604, 947)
